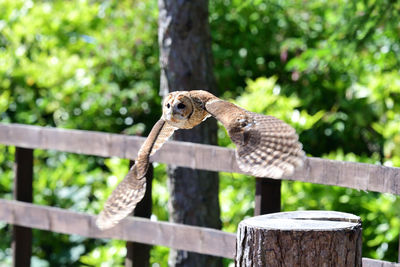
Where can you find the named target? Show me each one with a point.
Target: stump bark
(300, 238)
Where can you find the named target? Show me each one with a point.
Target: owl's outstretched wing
(163, 137)
(266, 146)
(130, 191)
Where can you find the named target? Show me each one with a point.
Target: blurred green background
(329, 68)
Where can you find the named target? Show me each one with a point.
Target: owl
(265, 146)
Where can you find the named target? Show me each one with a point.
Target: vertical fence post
(137, 254)
(268, 196)
(22, 236)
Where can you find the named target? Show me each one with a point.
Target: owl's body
(266, 146)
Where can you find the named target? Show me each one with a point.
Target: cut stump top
(304, 220)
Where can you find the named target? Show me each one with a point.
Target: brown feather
(165, 133)
(130, 191)
(266, 146)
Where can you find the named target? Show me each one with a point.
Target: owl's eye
(181, 106)
(168, 105)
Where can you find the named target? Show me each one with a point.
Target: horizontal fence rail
(206, 157)
(178, 236)
(377, 263)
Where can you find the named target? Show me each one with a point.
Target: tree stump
(300, 238)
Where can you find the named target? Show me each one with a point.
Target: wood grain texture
(360, 176)
(300, 239)
(177, 236)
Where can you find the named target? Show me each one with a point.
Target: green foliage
(329, 68)
(6, 173)
(64, 62)
(263, 96)
(319, 50)
(112, 254)
(236, 187)
(76, 64)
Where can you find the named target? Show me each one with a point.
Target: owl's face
(177, 109)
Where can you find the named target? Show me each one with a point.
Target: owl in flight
(265, 146)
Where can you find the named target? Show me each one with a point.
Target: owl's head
(178, 108)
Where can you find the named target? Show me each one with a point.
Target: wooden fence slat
(359, 176)
(22, 236)
(177, 236)
(377, 263)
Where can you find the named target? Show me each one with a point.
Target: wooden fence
(25, 215)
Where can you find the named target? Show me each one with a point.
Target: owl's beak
(168, 114)
(171, 114)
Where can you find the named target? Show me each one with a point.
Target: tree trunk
(186, 64)
(300, 238)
